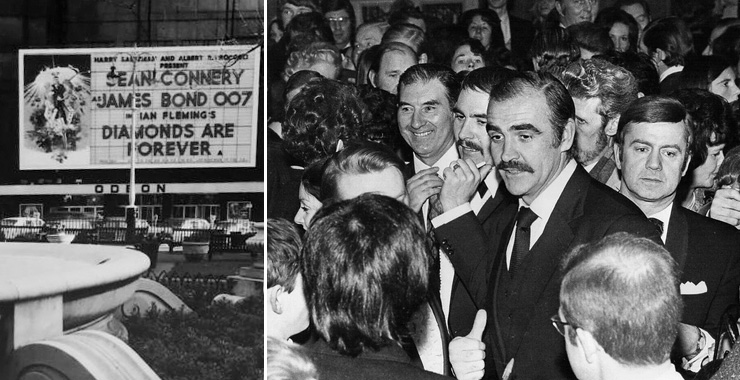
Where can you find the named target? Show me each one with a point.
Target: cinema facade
(193, 114)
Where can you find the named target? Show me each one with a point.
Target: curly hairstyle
(596, 78)
(323, 113)
(379, 122)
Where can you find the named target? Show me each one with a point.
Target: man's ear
(618, 156)
(660, 54)
(276, 294)
(588, 344)
(373, 76)
(611, 126)
(569, 133)
(423, 58)
(559, 8)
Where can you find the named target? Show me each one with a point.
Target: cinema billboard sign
(186, 107)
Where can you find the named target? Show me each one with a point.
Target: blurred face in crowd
(465, 59)
(309, 206)
(638, 12)
(480, 30)
(724, 85)
(425, 119)
(591, 137)
(525, 148)
(652, 160)
(341, 26)
(704, 175)
(367, 37)
(620, 35)
(393, 64)
(493, 4)
(577, 11)
(470, 119)
(275, 33)
(388, 182)
(289, 11)
(326, 69)
(544, 7)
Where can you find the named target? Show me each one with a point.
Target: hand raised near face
(421, 186)
(726, 206)
(461, 180)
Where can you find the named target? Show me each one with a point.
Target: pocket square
(689, 288)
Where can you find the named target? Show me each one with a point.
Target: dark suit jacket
(282, 180)
(388, 363)
(519, 308)
(706, 250)
(670, 83)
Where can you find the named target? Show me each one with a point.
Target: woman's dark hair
(311, 178)
(489, 17)
(612, 15)
(700, 71)
(709, 114)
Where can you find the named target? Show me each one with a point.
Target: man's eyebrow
(525, 127)
(480, 115)
(433, 102)
(643, 142)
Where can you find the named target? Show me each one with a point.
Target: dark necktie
(482, 188)
(524, 219)
(658, 223)
(435, 209)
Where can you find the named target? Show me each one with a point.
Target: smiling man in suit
(653, 152)
(553, 205)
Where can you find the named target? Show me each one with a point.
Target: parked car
(181, 228)
(230, 226)
(113, 228)
(24, 228)
(74, 221)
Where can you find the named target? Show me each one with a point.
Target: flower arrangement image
(58, 97)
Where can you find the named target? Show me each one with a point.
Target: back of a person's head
(590, 37)
(623, 289)
(287, 361)
(379, 122)
(444, 40)
(596, 78)
(672, 36)
(356, 159)
(298, 80)
(728, 44)
(283, 253)
(552, 50)
(401, 11)
(641, 67)
(365, 264)
(386, 48)
(323, 113)
(626, 3)
(408, 34)
(729, 171)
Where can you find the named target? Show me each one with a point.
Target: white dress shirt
(430, 346)
(665, 217)
(669, 71)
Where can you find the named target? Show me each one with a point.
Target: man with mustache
(600, 92)
(653, 151)
(552, 205)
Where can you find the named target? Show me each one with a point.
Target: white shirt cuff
(451, 215)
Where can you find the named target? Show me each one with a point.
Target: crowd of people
(504, 198)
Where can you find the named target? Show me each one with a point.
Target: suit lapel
(677, 238)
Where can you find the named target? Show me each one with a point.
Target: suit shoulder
(609, 200)
(704, 225)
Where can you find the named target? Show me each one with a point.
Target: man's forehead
(633, 130)
(471, 96)
(424, 91)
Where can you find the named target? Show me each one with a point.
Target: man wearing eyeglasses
(340, 16)
(619, 309)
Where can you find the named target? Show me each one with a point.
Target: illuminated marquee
(184, 107)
